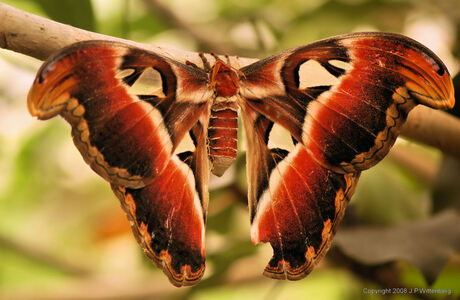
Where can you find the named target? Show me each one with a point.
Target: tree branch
(40, 37)
(435, 128)
(417, 162)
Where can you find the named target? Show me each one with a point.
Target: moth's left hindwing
(343, 101)
(128, 133)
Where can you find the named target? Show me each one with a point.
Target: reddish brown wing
(343, 100)
(295, 203)
(128, 134)
(168, 217)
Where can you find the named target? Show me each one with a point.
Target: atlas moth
(341, 100)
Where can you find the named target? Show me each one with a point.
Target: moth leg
(207, 66)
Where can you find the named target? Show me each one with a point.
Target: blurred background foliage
(64, 236)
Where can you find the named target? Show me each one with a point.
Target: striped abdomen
(222, 136)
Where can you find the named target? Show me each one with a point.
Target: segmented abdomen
(222, 136)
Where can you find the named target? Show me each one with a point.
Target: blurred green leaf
(221, 222)
(76, 13)
(29, 166)
(146, 26)
(239, 8)
(426, 244)
(339, 17)
(320, 285)
(447, 280)
(446, 191)
(388, 194)
(17, 270)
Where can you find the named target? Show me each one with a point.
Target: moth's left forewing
(130, 111)
(343, 101)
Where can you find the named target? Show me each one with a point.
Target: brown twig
(203, 39)
(41, 255)
(40, 37)
(435, 128)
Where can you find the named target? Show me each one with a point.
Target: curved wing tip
(439, 94)
(50, 93)
(37, 108)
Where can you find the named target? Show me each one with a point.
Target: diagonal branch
(40, 37)
(169, 16)
(435, 128)
(43, 256)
